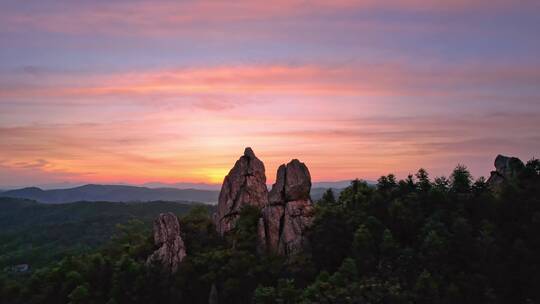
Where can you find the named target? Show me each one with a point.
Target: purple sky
(172, 91)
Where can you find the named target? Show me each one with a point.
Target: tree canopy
(417, 240)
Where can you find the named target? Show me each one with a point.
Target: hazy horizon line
(152, 185)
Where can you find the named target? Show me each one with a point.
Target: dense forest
(36, 234)
(417, 240)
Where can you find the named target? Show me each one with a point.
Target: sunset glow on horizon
(173, 91)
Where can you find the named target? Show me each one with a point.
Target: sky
(172, 91)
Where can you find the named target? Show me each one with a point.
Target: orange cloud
(169, 148)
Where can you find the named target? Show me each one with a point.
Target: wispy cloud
(194, 150)
(209, 18)
(353, 79)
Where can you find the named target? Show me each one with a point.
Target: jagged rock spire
(286, 210)
(244, 185)
(167, 236)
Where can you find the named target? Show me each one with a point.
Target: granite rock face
(297, 181)
(167, 236)
(506, 168)
(270, 228)
(288, 213)
(297, 218)
(244, 185)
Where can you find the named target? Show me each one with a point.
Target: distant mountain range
(178, 185)
(205, 193)
(182, 185)
(69, 185)
(112, 193)
(202, 186)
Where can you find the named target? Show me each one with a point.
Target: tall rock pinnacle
(244, 185)
(171, 249)
(289, 211)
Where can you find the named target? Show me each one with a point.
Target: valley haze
(126, 193)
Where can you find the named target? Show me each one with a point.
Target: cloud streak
(158, 18)
(353, 79)
(367, 146)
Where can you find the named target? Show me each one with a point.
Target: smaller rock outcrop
(167, 236)
(244, 185)
(213, 297)
(289, 211)
(506, 168)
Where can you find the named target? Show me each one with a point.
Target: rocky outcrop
(167, 237)
(506, 168)
(213, 297)
(244, 185)
(288, 213)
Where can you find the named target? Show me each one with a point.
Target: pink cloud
(212, 85)
(190, 18)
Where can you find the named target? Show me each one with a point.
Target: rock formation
(288, 212)
(244, 185)
(506, 168)
(167, 236)
(213, 297)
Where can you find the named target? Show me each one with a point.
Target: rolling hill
(113, 193)
(123, 193)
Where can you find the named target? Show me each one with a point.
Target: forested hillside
(36, 234)
(417, 240)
